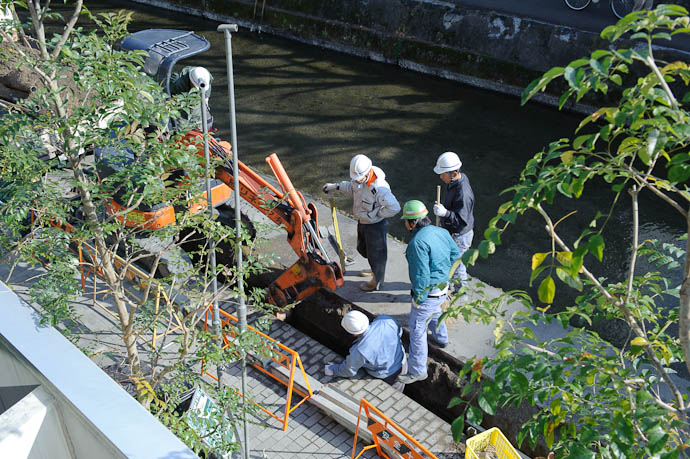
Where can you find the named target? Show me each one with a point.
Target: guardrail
(273, 351)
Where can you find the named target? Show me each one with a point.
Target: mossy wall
(443, 38)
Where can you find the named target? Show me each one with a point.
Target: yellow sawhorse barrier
(274, 351)
(88, 266)
(389, 434)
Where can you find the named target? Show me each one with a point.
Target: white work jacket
(371, 203)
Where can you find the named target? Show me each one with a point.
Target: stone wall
(443, 38)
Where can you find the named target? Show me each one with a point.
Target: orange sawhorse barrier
(388, 433)
(278, 353)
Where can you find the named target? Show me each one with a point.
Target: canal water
(317, 108)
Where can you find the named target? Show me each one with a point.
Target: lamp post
(227, 30)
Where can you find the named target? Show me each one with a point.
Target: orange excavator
(287, 208)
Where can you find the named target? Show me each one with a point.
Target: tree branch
(634, 191)
(68, 28)
(626, 312)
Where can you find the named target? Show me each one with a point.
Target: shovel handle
(438, 201)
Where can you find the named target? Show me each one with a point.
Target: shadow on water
(318, 108)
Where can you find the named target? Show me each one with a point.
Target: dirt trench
(319, 316)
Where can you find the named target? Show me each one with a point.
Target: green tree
(595, 399)
(57, 213)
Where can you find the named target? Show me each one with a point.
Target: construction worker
(186, 80)
(430, 255)
(456, 209)
(373, 202)
(377, 349)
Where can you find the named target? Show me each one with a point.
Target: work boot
(438, 344)
(369, 286)
(410, 378)
(365, 273)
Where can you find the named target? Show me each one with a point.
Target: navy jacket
(459, 201)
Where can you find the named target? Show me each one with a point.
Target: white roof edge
(121, 419)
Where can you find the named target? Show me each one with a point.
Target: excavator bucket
(302, 279)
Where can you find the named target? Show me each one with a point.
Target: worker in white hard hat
(373, 203)
(377, 348)
(456, 209)
(187, 79)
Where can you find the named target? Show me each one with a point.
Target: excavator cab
(165, 48)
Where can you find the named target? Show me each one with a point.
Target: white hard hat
(359, 167)
(447, 162)
(200, 77)
(355, 323)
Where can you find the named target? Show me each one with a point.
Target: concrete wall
(481, 48)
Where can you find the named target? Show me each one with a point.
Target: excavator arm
(286, 208)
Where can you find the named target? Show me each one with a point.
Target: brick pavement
(312, 433)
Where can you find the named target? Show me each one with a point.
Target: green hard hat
(412, 210)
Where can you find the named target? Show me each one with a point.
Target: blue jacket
(378, 350)
(430, 255)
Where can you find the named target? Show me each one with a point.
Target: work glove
(440, 210)
(328, 369)
(329, 187)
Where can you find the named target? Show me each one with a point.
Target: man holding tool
(456, 208)
(430, 254)
(373, 202)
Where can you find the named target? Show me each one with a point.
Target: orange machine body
(287, 209)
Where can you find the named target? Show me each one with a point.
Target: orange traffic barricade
(388, 435)
(275, 352)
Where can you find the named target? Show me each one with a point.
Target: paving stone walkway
(312, 433)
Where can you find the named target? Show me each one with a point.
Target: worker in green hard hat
(430, 255)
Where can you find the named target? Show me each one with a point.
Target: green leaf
(596, 66)
(596, 246)
(471, 256)
(580, 452)
(679, 173)
(455, 401)
(457, 428)
(564, 98)
(519, 382)
(540, 83)
(577, 187)
(580, 140)
(657, 439)
(662, 35)
(546, 290)
(486, 248)
(567, 278)
(474, 415)
(487, 405)
(536, 273)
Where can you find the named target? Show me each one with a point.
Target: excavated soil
(319, 316)
(17, 81)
